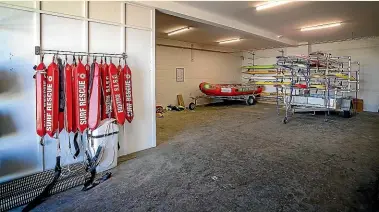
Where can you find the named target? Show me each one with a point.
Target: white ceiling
(207, 34)
(360, 18)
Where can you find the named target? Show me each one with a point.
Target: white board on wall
(138, 16)
(19, 149)
(106, 10)
(75, 8)
(65, 34)
(140, 134)
(58, 33)
(105, 38)
(29, 4)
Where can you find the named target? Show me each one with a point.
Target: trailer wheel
(251, 100)
(192, 106)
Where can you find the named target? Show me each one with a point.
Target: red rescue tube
(128, 93)
(81, 88)
(94, 100)
(121, 78)
(56, 98)
(118, 107)
(74, 100)
(106, 108)
(68, 116)
(40, 99)
(52, 99)
(88, 68)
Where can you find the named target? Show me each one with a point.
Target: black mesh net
(23, 190)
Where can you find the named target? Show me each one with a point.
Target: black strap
(92, 164)
(105, 177)
(91, 75)
(76, 145)
(61, 85)
(45, 193)
(102, 136)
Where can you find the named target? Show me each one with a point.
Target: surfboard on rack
(261, 72)
(297, 85)
(266, 94)
(260, 67)
(267, 77)
(270, 83)
(292, 66)
(336, 75)
(342, 76)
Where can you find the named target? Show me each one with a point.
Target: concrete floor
(240, 158)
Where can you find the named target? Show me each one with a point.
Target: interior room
(189, 106)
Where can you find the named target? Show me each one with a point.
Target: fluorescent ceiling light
(178, 31)
(229, 41)
(271, 4)
(322, 26)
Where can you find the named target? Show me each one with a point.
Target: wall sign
(180, 74)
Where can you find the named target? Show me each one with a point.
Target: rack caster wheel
(285, 120)
(347, 114)
(192, 106)
(251, 100)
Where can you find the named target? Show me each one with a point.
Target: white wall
(200, 66)
(111, 27)
(366, 51)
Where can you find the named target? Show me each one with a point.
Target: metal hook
(73, 59)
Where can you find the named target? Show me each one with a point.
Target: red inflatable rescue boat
(229, 89)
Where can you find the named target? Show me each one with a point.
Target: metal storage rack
(319, 82)
(265, 77)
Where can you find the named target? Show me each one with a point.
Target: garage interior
(224, 154)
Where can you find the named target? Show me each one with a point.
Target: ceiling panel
(208, 34)
(358, 17)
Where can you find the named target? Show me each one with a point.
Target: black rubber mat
(23, 190)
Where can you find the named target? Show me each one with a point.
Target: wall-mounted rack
(39, 51)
